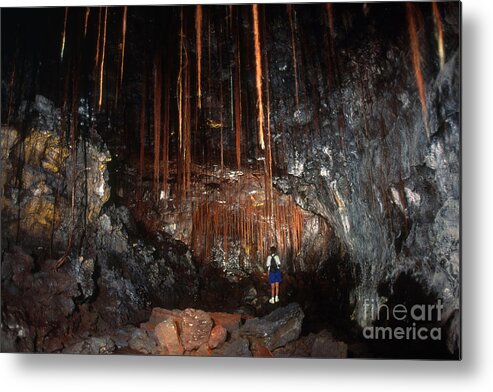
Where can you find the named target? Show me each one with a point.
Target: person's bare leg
(272, 291)
(277, 289)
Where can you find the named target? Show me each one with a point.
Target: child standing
(273, 266)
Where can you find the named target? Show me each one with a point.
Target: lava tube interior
(152, 156)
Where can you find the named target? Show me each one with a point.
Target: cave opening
(153, 155)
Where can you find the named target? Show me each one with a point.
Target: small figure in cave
(274, 268)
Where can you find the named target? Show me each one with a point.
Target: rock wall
(373, 157)
(69, 251)
(390, 192)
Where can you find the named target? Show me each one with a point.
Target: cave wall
(72, 261)
(358, 141)
(357, 152)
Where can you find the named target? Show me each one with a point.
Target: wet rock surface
(78, 267)
(376, 187)
(385, 180)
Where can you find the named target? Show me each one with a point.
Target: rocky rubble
(195, 332)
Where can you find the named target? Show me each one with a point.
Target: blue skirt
(275, 277)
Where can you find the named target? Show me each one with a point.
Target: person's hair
(273, 249)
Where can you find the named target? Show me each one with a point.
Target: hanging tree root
(62, 260)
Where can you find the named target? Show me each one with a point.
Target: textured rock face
(110, 274)
(374, 166)
(235, 199)
(135, 273)
(324, 346)
(37, 305)
(51, 191)
(389, 192)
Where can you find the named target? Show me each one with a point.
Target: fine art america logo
(414, 318)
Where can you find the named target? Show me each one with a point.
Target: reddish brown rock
(218, 336)
(147, 326)
(203, 351)
(230, 321)
(168, 339)
(195, 328)
(158, 315)
(261, 351)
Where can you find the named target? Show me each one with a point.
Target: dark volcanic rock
(44, 300)
(239, 347)
(320, 345)
(378, 180)
(382, 175)
(94, 345)
(230, 321)
(142, 342)
(325, 346)
(108, 273)
(276, 329)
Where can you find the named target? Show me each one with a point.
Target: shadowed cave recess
(151, 156)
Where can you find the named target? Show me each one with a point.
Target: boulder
(142, 342)
(203, 351)
(195, 328)
(276, 329)
(230, 321)
(218, 336)
(159, 314)
(122, 336)
(239, 347)
(298, 348)
(168, 339)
